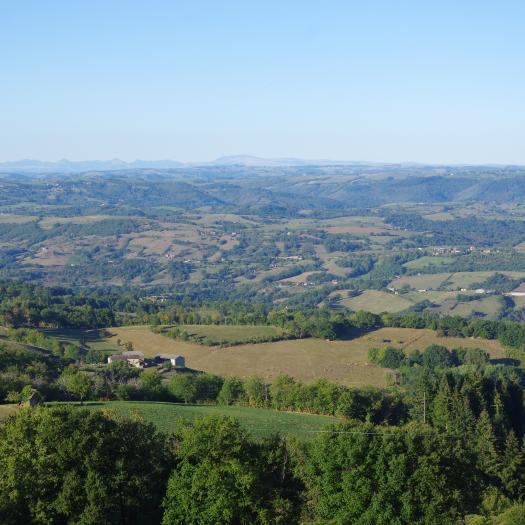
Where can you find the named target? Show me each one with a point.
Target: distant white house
(175, 360)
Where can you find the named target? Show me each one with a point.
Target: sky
(386, 81)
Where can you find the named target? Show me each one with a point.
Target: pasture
(519, 301)
(260, 422)
(428, 261)
(48, 222)
(297, 279)
(92, 339)
(303, 359)
(488, 306)
(448, 281)
(422, 281)
(345, 362)
(11, 218)
(153, 242)
(330, 265)
(376, 301)
(440, 216)
(229, 334)
(351, 222)
(433, 296)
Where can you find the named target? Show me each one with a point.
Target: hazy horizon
(247, 158)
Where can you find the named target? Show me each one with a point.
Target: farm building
(175, 360)
(135, 359)
(519, 291)
(115, 358)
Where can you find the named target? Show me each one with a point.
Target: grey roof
(126, 357)
(169, 356)
(133, 354)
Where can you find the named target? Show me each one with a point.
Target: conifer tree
(485, 445)
(512, 470)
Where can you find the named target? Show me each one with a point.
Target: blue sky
(430, 81)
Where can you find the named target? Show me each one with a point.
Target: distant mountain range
(30, 166)
(249, 160)
(70, 166)
(65, 166)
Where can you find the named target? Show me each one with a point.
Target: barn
(175, 360)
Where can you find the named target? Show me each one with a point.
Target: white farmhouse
(175, 360)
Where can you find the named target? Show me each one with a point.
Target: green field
(467, 279)
(228, 334)
(519, 301)
(49, 222)
(448, 281)
(432, 296)
(331, 266)
(260, 422)
(93, 339)
(490, 306)
(428, 261)
(376, 302)
(419, 282)
(8, 218)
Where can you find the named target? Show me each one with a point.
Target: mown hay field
(449, 281)
(423, 281)
(489, 306)
(345, 362)
(376, 301)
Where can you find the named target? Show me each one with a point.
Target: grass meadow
(260, 422)
(345, 362)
